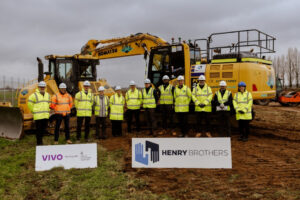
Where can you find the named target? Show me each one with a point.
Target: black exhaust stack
(40, 70)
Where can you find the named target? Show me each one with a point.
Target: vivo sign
(67, 156)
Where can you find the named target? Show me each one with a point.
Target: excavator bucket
(11, 122)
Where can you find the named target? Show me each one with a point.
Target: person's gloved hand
(242, 112)
(202, 105)
(222, 105)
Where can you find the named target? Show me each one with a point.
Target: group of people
(170, 99)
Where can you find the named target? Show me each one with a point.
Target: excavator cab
(72, 70)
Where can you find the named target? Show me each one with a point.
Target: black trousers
(206, 117)
(116, 128)
(167, 116)
(150, 118)
(41, 126)
(182, 119)
(136, 114)
(224, 119)
(86, 127)
(244, 128)
(101, 122)
(59, 119)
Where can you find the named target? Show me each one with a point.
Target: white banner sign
(67, 156)
(181, 153)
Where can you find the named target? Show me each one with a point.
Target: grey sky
(40, 27)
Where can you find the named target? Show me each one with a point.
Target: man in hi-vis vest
(202, 96)
(116, 103)
(101, 113)
(182, 96)
(84, 101)
(166, 103)
(62, 103)
(38, 104)
(133, 99)
(149, 104)
(223, 105)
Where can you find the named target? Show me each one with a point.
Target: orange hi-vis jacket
(61, 103)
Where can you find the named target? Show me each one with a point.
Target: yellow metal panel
(224, 60)
(257, 60)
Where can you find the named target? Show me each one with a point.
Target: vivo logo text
(52, 157)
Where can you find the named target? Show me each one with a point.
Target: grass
(18, 179)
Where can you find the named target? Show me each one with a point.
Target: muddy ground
(265, 167)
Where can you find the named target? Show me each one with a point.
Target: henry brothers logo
(139, 152)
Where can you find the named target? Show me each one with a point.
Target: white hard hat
(201, 78)
(147, 80)
(131, 83)
(165, 77)
(101, 88)
(42, 84)
(180, 78)
(62, 86)
(118, 87)
(86, 83)
(223, 83)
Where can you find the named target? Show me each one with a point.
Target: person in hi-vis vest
(149, 104)
(133, 99)
(242, 103)
(101, 112)
(223, 105)
(84, 101)
(166, 104)
(182, 96)
(62, 103)
(39, 105)
(202, 96)
(116, 103)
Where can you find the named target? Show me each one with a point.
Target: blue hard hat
(242, 84)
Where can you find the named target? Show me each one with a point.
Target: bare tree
(297, 66)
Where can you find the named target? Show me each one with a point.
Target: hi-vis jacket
(148, 98)
(243, 102)
(84, 103)
(202, 96)
(116, 104)
(62, 103)
(101, 106)
(182, 98)
(166, 96)
(133, 99)
(39, 105)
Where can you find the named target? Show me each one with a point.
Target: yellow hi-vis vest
(224, 98)
(39, 105)
(166, 96)
(116, 104)
(84, 103)
(243, 101)
(202, 96)
(101, 106)
(182, 98)
(133, 99)
(148, 99)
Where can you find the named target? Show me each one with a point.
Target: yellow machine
(73, 70)
(239, 63)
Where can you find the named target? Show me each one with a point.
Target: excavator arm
(138, 44)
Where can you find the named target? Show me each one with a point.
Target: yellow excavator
(239, 61)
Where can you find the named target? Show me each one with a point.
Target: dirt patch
(265, 167)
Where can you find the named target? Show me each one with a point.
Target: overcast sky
(34, 28)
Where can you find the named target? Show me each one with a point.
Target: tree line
(287, 68)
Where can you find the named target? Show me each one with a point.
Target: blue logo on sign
(24, 92)
(144, 159)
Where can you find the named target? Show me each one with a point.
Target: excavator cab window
(168, 60)
(64, 69)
